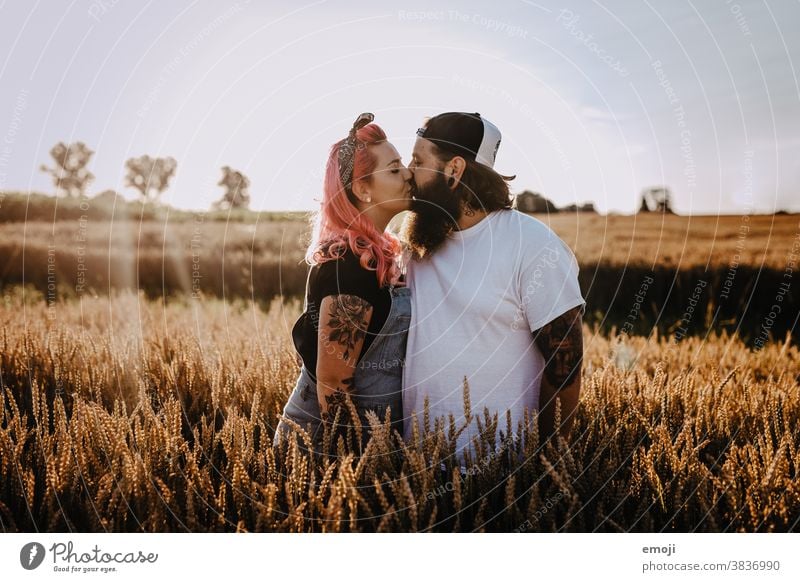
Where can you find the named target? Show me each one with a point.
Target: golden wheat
(122, 414)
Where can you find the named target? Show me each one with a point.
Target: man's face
(424, 163)
(436, 208)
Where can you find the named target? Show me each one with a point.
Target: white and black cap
(465, 134)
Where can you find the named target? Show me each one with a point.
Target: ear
(454, 170)
(361, 190)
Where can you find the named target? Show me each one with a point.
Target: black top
(344, 276)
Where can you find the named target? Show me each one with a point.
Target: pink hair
(338, 224)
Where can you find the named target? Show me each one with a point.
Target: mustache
(435, 211)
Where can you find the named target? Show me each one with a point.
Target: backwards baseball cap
(465, 134)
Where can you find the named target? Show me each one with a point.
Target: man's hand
(561, 344)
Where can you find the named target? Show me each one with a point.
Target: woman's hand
(344, 320)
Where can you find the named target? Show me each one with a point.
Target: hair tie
(347, 149)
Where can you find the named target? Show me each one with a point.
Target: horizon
(559, 210)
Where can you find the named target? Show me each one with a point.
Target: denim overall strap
(379, 374)
(302, 407)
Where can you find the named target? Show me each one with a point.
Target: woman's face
(391, 184)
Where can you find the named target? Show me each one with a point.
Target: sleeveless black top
(343, 276)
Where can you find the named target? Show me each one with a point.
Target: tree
(236, 195)
(150, 176)
(528, 201)
(70, 174)
(585, 207)
(109, 198)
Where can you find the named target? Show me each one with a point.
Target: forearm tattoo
(561, 344)
(348, 322)
(335, 400)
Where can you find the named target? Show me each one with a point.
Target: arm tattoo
(561, 344)
(335, 400)
(348, 324)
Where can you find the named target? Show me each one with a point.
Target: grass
(127, 414)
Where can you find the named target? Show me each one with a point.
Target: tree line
(149, 176)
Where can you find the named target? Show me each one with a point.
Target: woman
(352, 335)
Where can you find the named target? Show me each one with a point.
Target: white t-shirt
(475, 303)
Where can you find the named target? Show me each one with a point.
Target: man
(495, 295)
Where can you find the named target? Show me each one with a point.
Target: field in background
(38, 207)
(126, 414)
(678, 242)
(637, 272)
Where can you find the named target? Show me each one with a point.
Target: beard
(435, 212)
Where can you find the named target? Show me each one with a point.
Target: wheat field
(251, 257)
(122, 413)
(743, 260)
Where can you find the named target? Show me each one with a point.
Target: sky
(595, 100)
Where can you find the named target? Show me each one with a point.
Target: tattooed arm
(344, 320)
(561, 344)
